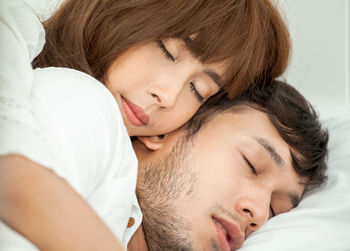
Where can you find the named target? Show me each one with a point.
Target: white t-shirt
(66, 121)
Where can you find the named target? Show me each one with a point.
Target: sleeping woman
(158, 62)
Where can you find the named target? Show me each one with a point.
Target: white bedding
(322, 220)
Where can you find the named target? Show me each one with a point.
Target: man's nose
(254, 211)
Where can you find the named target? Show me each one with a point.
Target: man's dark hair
(291, 114)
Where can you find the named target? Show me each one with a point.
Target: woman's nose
(166, 93)
(253, 211)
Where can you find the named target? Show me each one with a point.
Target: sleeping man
(205, 186)
(210, 184)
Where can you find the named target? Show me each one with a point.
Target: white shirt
(66, 121)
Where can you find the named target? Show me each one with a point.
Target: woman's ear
(153, 143)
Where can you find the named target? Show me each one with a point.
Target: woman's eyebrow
(209, 72)
(272, 151)
(214, 76)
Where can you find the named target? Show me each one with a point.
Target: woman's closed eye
(196, 93)
(169, 56)
(165, 50)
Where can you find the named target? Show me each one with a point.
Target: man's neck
(138, 241)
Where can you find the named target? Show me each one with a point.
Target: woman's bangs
(215, 45)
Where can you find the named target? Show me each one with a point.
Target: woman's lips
(135, 114)
(229, 234)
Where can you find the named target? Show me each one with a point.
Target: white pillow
(44, 8)
(321, 222)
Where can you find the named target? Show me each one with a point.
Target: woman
(163, 59)
(160, 64)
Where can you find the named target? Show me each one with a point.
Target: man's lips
(135, 114)
(230, 234)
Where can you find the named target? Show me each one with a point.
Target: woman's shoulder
(72, 97)
(67, 76)
(80, 117)
(75, 87)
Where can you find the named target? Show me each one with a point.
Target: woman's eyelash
(250, 165)
(196, 93)
(169, 56)
(164, 49)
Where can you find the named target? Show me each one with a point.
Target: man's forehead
(241, 119)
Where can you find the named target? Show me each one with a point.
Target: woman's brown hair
(250, 35)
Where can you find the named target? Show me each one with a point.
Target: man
(210, 184)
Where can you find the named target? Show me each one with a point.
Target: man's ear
(153, 143)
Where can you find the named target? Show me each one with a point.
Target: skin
(165, 81)
(237, 178)
(36, 207)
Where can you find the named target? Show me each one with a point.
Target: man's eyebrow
(271, 150)
(293, 197)
(215, 77)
